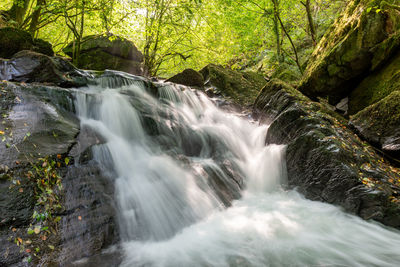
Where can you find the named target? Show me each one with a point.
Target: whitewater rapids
(166, 150)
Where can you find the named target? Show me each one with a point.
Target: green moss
(344, 53)
(13, 40)
(100, 60)
(242, 87)
(376, 86)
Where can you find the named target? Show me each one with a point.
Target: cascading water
(180, 159)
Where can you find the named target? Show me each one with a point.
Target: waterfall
(197, 186)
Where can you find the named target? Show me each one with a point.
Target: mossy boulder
(377, 86)
(241, 87)
(188, 77)
(325, 160)
(101, 52)
(380, 123)
(13, 40)
(345, 55)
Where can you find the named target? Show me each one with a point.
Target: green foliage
(178, 34)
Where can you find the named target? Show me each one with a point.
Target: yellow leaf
(37, 230)
(2, 133)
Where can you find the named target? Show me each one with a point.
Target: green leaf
(369, 9)
(66, 161)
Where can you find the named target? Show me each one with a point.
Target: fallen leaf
(28, 250)
(51, 247)
(37, 230)
(43, 237)
(80, 218)
(58, 156)
(21, 190)
(14, 229)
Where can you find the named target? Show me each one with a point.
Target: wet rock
(28, 66)
(380, 124)
(88, 225)
(325, 160)
(100, 52)
(345, 55)
(39, 121)
(188, 77)
(13, 40)
(241, 87)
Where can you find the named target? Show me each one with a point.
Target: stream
(197, 186)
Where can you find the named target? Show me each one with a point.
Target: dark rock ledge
(325, 160)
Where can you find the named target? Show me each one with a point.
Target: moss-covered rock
(241, 87)
(380, 123)
(13, 40)
(325, 160)
(345, 54)
(100, 60)
(376, 86)
(188, 77)
(101, 52)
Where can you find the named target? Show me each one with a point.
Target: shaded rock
(377, 86)
(380, 123)
(325, 160)
(42, 122)
(344, 56)
(343, 106)
(100, 60)
(100, 52)
(28, 66)
(241, 87)
(13, 40)
(188, 77)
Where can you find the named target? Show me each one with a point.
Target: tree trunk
(35, 16)
(276, 30)
(311, 24)
(17, 11)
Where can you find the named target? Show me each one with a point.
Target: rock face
(241, 87)
(376, 86)
(28, 66)
(325, 160)
(359, 41)
(109, 52)
(13, 40)
(188, 77)
(380, 123)
(39, 121)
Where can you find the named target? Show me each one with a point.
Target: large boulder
(39, 121)
(101, 52)
(380, 123)
(28, 66)
(356, 44)
(376, 86)
(13, 40)
(241, 87)
(188, 77)
(325, 160)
